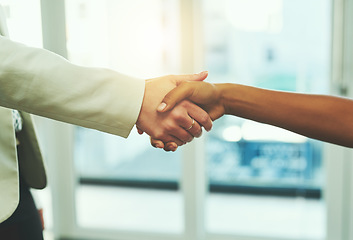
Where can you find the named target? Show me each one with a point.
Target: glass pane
(125, 183)
(17, 12)
(266, 181)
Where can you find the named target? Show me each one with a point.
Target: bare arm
(322, 117)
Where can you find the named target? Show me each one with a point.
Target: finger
(191, 77)
(183, 119)
(193, 127)
(157, 143)
(175, 138)
(170, 146)
(200, 116)
(196, 130)
(182, 135)
(178, 94)
(139, 130)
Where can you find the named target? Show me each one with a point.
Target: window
(273, 178)
(139, 38)
(16, 11)
(267, 197)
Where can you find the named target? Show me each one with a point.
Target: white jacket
(40, 82)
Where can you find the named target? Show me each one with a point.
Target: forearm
(43, 83)
(321, 117)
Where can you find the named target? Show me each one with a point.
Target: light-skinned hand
(171, 126)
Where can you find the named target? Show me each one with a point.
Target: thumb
(176, 95)
(191, 77)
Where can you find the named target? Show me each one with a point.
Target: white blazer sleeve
(42, 83)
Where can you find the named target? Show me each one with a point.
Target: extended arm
(40, 82)
(322, 117)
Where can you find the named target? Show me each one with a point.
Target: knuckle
(177, 115)
(185, 104)
(159, 135)
(169, 127)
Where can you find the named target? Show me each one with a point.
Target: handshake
(175, 108)
(170, 120)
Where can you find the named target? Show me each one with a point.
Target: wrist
(224, 91)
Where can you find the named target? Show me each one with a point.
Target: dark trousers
(24, 223)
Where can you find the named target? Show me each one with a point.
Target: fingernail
(158, 145)
(173, 147)
(161, 106)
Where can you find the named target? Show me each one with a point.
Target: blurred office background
(241, 181)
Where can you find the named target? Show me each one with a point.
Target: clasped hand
(177, 126)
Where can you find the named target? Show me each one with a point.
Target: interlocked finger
(192, 124)
(194, 128)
